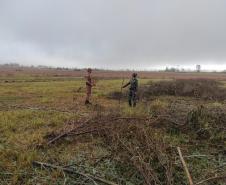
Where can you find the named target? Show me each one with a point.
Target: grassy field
(34, 110)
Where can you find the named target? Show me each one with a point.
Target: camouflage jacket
(133, 84)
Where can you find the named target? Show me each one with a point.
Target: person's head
(134, 75)
(89, 70)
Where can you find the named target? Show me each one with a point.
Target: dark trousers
(132, 98)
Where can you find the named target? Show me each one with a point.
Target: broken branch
(70, 171)
(210, 179)
(185, 166)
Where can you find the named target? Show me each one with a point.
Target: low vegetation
(47, 135)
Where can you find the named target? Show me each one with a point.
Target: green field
(34, 110)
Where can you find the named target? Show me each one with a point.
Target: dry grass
(35, 74)
(125, 151)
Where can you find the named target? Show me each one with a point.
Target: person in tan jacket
(89, 85)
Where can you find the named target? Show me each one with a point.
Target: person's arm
(87, 82)
(126, 85)
(93, 82)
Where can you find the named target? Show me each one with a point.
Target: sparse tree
(198, 68)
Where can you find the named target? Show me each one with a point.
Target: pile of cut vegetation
(199, 88)
(147, 149)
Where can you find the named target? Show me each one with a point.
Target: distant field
(21, 73)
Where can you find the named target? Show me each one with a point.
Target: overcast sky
(134, 34)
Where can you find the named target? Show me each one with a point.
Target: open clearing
(108, 142)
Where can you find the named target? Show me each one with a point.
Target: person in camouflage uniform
(132, 90)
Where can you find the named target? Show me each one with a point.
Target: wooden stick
(66, 133)
(191, 156)
(58, 137)
(70, 171)
(210, 179)
(121, 93)
(84, 132)
(185, 167)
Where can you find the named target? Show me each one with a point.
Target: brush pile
(142, 147)
(200, 88)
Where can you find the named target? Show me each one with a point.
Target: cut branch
(70, 171)
(211, 179)
(185, 167)
(66, 133)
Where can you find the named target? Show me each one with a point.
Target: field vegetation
(48, 136)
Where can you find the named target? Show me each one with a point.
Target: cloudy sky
(134, 34)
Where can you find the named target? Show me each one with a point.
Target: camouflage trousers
(132, 98)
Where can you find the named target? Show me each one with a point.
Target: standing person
(132, 90)
(89, 85)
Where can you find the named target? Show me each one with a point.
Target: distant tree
(198, 68)
(172, 69)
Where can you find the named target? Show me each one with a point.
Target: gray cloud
(113, 33)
